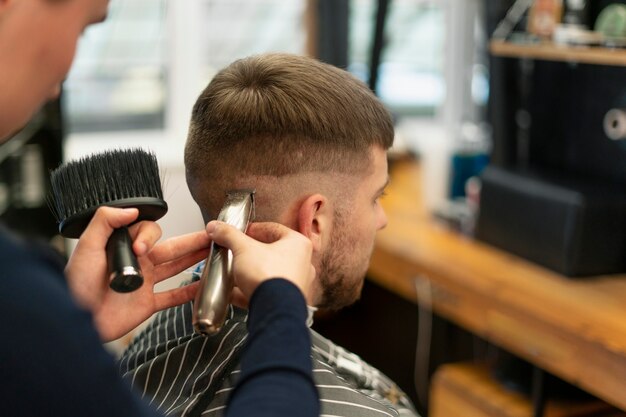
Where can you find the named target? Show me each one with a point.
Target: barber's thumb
(225, 235)
(106, 219)
(267, 232)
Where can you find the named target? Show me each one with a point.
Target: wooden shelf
(572, 328)
(551, 52)
(469, 390)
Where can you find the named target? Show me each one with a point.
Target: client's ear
(315, 217)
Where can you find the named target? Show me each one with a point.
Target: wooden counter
(575, 329)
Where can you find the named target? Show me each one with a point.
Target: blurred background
(509, 176)
(137, 75)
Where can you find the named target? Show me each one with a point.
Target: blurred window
(145, 65)
(122, 75)
(234, 29)
(411, 78)
(119, 77)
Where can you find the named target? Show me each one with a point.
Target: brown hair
(280, 114)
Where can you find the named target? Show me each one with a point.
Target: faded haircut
(281, 114)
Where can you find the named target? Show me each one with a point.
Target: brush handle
(124, 272)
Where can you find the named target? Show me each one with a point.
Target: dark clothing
(52, 362)
(276, 377)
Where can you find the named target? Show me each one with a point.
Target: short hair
(277, 115)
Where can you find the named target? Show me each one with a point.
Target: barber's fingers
(228, 236)
(175, 255)
(179, 246)
(144, 236)
(238, 298)
(104, 221)
(176, 296)
(268, 232)
(171, 268)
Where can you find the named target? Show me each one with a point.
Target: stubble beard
(341, 281)
(339, 289)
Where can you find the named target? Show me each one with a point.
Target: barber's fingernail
(210, 228)
(141, 248)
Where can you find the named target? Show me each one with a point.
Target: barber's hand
(270, 250)
(115, 314)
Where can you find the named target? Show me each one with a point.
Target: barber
(53, 318)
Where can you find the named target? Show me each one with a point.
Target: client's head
(312, 140)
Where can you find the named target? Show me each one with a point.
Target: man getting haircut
(311, 139)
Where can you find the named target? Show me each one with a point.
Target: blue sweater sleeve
(276, 377)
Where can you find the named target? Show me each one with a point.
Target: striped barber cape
(185, 374)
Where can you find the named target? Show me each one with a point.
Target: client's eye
(381, 195)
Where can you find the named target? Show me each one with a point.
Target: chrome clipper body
(216, 282)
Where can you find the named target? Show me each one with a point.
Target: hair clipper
(216, 282)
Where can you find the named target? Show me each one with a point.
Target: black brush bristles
(118, 178)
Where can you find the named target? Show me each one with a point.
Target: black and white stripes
(174, 368)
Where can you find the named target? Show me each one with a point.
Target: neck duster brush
(119, 178)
